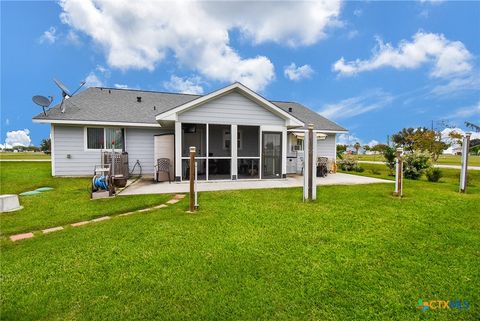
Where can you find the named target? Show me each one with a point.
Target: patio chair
(163, 166)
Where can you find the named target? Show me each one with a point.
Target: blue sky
(373, 67)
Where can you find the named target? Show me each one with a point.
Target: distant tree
(357, 147)
(45, 145)
(341, 149)
(366, 148)
(379, 148)
(389, 155)
(420, 139)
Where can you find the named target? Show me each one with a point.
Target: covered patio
(147, 186)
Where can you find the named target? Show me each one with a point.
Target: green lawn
(356, 254)
(69, 201)
(24, 155)
(443, 159)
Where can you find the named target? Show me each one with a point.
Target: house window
(227, 139)
(105, 138)
(95, 138)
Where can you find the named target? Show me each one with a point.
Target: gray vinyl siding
(326, 148)
(232, 108)
(69, 140)
(140, 146)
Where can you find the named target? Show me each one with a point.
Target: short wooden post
(192, 178)
(399, 173)
(464, 168)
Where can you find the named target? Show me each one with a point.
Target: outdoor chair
(163, 166)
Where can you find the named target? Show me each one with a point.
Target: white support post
(314, 167)
(196, 185)
(284, 153)
(306, 169)
(178, 151)
(464, 168)
(234, 151)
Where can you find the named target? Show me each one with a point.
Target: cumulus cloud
(18, 138)
(449, 58)
(190, 85)
(372, 143)
(295, 73)
(140, 34)
(97, 77)
(49, 36)
(348, 139)
(370, 101)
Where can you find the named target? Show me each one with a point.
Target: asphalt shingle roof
(120, 105)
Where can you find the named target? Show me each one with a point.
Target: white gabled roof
(172, 114)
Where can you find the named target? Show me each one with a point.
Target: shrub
(415, 165)
(389, 155)
(375, 171)
(433, 174)
(349, 163)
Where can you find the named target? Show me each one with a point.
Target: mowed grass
(442, 159)
(24, 155)
(69, 202)
(357, 253)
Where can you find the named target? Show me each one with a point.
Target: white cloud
(466, 113)
(49, 36)
(449, 58)
(432, 1)
(354, 106)
(73, 38)
(457, 85)
(352, 34)
(18, 138)
(121, 86)
(348, 139)
(190, 85)
(357, 12)
(139, 35)
(295, 73)
(373, 142)
(97, 77)
(445, 134)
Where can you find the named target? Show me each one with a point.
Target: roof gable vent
(139, 99)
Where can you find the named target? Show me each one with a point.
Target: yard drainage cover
(43, 189)
(29, 193)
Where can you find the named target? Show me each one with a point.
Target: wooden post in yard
(192, 178)
(311, 172)
(464, 168)
(399, 173)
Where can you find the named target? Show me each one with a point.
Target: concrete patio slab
(147, 186)
(22, 236)
(52, 229)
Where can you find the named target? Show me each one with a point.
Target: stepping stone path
(18, 237)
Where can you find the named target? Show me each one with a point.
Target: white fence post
(464, 169)
(399, 173)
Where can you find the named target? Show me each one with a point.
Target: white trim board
(94, 123)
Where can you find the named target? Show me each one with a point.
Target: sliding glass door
(272, 155)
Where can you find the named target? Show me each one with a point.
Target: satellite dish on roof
(65, 92)
(42, 101)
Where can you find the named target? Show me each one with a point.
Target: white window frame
(85, 139)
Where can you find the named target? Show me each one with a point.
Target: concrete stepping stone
(103, 218)
(179, 196)
(19, 237)
(52, 229)
(173, 201)
(161, 206)
(80, 223)
(126, 214)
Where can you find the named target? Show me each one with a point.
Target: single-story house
(150, 125)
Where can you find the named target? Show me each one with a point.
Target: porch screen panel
(194, 135)
(248, 141)
(219, 141)
(95, 138)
